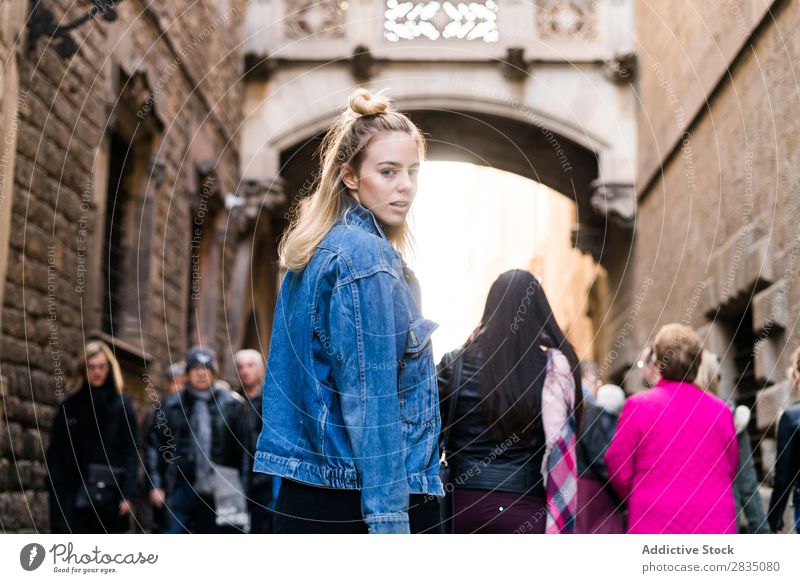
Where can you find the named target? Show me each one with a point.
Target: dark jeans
(305, 509)
(192, 512)
(260, 514)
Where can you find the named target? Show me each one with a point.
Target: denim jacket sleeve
(364, 331)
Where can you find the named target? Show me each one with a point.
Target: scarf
(559, 466)
(201, 432)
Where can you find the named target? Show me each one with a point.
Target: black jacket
(169, 454)
(477, 458)
(92, 426)
(597, 431)
(260, 484)
(787, 466)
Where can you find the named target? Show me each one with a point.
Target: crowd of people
(196, 451)
(356, 429)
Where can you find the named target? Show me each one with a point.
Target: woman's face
(97, 368)
(387, 181)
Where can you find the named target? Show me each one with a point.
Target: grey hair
(250, 354)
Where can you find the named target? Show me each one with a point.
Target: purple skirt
(484, 512)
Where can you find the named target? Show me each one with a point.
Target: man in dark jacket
(191, 450)
(263, 487)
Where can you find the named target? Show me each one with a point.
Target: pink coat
(673, 459)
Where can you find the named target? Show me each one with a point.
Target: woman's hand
(125, 507)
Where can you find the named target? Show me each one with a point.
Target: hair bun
(362, 102)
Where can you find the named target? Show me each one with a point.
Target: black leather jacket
(787, 466)
(169, 454)
(478, 460)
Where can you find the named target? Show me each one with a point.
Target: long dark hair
(517, 324)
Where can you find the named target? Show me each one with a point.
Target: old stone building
(718, 211)
(151, 153)
(119, 182)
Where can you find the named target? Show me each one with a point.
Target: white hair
(251, 355)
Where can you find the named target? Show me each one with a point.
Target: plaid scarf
(559, 466)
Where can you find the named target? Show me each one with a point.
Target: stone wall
(718, 228)
(174, 67)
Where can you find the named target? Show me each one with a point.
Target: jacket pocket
(417, 377)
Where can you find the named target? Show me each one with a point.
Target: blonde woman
(745, 485)
(92, 457)
(350, 418)
(787, 466)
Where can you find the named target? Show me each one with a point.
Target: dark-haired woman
(511, 446)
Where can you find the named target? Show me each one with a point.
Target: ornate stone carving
(615, 201)
(566, 19)
(266, 194)
(254, 199)
(448, 20)
(317, 18)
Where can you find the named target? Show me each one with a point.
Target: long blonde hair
(345, 143)
(91, 350)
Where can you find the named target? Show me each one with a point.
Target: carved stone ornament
(616, 202)
(447, 20)
(566, 19)
(317, 18)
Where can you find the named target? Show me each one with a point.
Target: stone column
(254, 279)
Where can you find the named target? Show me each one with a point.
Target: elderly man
(263, 487)
(206, 433)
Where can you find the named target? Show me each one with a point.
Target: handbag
(100, 491)
(450, 393)
(230, 502)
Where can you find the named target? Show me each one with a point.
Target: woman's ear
(349, 177)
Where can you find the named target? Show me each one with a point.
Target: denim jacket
(350, 394)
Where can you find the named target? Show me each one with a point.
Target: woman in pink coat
(674, 455)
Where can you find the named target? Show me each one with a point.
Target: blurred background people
(787, 465)
(512, 442)
(674, 455)
(749, 507)
(175, 377)
(207, 429)
(599, 507)
(590, 380)
(92, 458)
(648, 372)
(263, 488)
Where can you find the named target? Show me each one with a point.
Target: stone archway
(508, 137)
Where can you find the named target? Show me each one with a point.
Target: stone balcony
(545, 30)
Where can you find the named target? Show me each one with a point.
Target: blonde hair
(708, 374)
(345, 143)
(91, 350)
